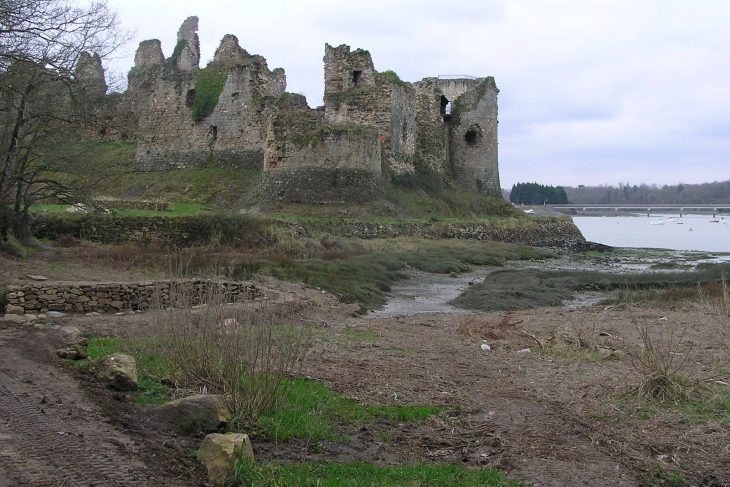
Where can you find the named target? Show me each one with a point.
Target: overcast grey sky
(592, 91)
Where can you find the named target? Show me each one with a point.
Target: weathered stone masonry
(373, 126)
(114, 297)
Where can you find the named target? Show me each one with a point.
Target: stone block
(219, 453)
(12, 309)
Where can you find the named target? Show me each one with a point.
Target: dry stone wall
(117, 296)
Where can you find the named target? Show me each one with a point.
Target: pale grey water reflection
(691, 232)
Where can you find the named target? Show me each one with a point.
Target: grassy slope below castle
(110, 166)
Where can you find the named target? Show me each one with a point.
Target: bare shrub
(661, 361)
(243, 351)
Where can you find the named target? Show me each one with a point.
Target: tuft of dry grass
(661, 361)
(482, 327)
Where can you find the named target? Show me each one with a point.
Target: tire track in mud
(66, 443)
(37, 451)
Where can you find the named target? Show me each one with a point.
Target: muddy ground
(561, 414)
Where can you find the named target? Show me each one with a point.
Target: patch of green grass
(309, 410)
(698, 406)
(57, 265)
(531, 288)
(365, 475)
(358, 335)
(151, 367)
(667, 478)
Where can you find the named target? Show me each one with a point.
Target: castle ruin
(373, 128)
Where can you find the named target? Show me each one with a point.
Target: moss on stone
(300, 127)
(208, 88)
(359, 97)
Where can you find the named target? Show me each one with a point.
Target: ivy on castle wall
(208, 88)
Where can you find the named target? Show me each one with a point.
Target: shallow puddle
(427, 293)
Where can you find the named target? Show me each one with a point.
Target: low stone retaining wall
(236, 230)
(250, 232)
(34, 298)
(540, 232)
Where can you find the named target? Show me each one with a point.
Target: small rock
(609, 354)
(201, 412)
(219, 453)
(73, 333)
(76, 351)
(663, 318)
(55, 314)
(118, 371)
(93, 313)
(12, 309)
(37, 277)
(524, 351)
(486, 347)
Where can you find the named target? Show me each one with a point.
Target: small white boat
(530, 211)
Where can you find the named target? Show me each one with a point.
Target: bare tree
(47, 90)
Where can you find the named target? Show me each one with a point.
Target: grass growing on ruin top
(366, 475)
(208, 87)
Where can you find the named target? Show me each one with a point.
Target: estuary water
(691, 232)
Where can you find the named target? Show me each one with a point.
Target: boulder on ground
(219, 453)
(201, 412)
(118, 371)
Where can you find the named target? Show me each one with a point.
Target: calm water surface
(692, 232)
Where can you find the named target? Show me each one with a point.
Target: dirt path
(51, 433)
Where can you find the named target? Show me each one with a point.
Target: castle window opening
(473, 136)
(446, 107)
(190, 98)
(356, 77)
(444, 103)
(213, 131)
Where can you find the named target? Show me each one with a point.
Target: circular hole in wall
(473, 136)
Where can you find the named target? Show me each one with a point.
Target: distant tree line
(645, 194)
(537, 194)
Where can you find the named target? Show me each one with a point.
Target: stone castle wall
(473, 144)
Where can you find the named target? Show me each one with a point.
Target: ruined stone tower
(374, 128)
